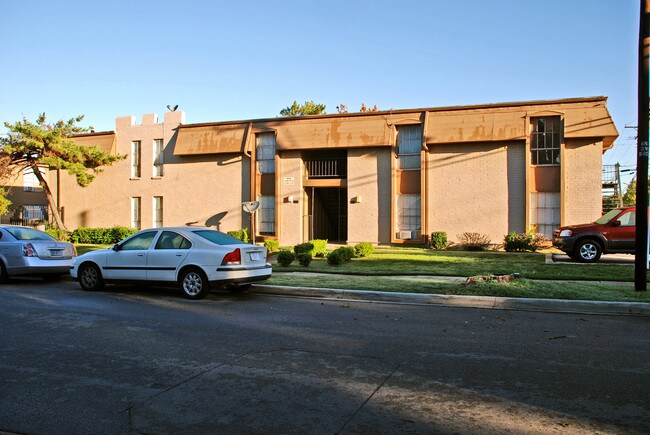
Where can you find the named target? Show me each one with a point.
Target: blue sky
(228, 60)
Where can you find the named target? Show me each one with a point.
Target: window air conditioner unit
(405, 235)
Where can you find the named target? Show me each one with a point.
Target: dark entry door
(328, 213)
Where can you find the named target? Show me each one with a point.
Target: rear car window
(218, 238)
(28, 234)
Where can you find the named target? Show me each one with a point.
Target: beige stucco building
(383, 177)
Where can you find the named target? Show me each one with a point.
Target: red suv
(613, 233)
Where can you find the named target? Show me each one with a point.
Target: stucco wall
(197, 188)
(470, 189)
(582, 169)
(369, 179)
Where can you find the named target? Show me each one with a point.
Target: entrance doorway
(327, 213)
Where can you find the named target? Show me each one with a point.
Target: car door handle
(140, 255)
(179, 255)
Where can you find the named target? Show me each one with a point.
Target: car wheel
(4, 276)
(194, 284)
(239, 288)
(587, 251)
(90, 278)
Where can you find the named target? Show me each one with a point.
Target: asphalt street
(131, 360)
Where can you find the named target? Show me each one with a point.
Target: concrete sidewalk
(490, 302)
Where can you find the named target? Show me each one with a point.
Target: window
(157, 207)
(30, 182)
(628, 219)
(135, 212)
(408, 213)
(171, 240)
(545, 141)
(409, 145)
(33, 213)
(266, 216)
(135, 159)
(545, 211)
(140, 242)
(265, 152)
(157, 158)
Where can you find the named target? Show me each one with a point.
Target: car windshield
(608, 216)
(28, 234)
(218, 238)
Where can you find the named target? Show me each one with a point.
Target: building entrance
(327, 213)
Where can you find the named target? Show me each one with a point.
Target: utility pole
(641, 259)
(619, 188)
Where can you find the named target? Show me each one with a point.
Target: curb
(489, 302)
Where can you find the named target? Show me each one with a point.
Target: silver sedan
(27, 251)
(191, 257)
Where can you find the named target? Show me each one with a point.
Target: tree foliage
(36, 144)
(629, 197)
(308, 108)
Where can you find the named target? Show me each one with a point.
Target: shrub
(364, 249)
(100, 236)
(320, 247)
(439, 240)
(346, 252)
(474, 241)
(285, 258)
(304, 248)
(58, 234)
(118, 233)
(272, 245)
(240, 234)
(521, 242)
(334, 258)
(304, 259)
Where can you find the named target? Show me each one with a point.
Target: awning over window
(210, 139)
(105, 141)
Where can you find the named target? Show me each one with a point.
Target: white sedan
(192, 257)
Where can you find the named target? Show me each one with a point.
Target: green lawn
(388, 269)
(414, 261)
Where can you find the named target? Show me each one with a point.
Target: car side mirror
(116, 247)
(616, 223)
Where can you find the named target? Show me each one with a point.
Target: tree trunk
(48, 196)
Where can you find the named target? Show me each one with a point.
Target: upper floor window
(30, 181)
(157, 158)
(545, 141)
(265, 152)
(409, 145)
(135, 159)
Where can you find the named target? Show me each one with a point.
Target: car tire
(90, 277)
(194, 284)
(4, 276)
(587, 251)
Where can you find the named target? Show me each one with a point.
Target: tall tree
(308, 108)
(33, 145)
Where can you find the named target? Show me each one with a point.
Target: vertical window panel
(135, 159)
(157, 158)
(157, 207)
(265, 152)
(409, 145)
(135, 213)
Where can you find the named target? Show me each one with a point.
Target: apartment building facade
(389, 177)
